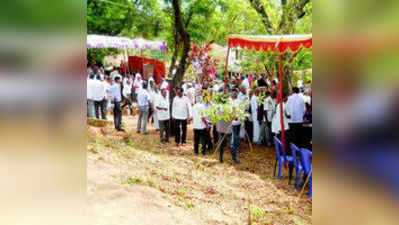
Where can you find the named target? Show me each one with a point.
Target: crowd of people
(106, 91)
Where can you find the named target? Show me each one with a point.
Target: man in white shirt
(138, 84)
(116, 98)
(181, 113)
(104, 105)
(98, 95)
(153, 91)
(297, 108)
(242, 96)
(143, 101)
(270, 109)
(163, 114)
(254, 113)
(200, 126)
(90, 101)
(245, 83)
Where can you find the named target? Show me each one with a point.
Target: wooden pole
(226, 66)
(127, 62)
(280, 66)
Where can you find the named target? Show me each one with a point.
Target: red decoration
(137, 62)
(202, 61)
(270, 46)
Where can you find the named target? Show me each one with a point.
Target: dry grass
(215, 193)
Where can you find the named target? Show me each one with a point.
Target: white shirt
(269, 105)
(107, 87)
(297, 108)
(153, 95)
(254, 106)
(181, 108)
(245, 83)
(89, 88)
(138, 84)
(198, 124)
(276, 123)
(143, 98)
(115, 92)
(162, 102)
(127, 88)
(98, 90)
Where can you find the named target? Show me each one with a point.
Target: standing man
(104, 104)
(143, 101)
(116, 98)
(138, 84)
(200, 126)
(245, 83)
(163, 114)
(269, 108)
(90, 101)
(297, 108)
(254, 113)
(181, 112)
(98, 95)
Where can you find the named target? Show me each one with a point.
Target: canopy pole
(281, 81)
(226, 66)
(127, 70)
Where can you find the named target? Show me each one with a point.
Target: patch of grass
(128, 139)
(256, 212)
(134, 180)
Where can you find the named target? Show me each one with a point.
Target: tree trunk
(174, 57)
(185, 37)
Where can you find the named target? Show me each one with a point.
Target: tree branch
(300, 9)
(257, 5)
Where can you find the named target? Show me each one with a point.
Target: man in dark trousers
(116, 97)
(181, 114)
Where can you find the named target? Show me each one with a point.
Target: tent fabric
(280, 43)
(124, 43)
(137, 63)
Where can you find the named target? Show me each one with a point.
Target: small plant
(134, 180)
(256, 212)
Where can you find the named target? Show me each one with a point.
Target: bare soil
(133, 179)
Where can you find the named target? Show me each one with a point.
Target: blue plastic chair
(310, 182)
(307, 166)
(281, 159)
(297, 164)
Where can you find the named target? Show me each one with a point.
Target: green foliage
(256, 212)
(222, 108)
(205, 21)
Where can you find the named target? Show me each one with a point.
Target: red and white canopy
(280, 43)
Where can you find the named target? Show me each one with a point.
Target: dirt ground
(133, 179)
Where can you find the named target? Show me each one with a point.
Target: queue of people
(152, 100)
